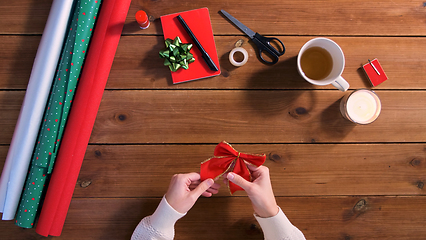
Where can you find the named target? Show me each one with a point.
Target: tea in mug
(316, 63)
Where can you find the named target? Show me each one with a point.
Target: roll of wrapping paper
(28, 125)
(60, 100)
(82, 116)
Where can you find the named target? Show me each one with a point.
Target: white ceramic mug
(338, 63)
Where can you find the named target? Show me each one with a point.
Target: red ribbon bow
(227, 159)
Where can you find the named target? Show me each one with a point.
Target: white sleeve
(160, 225)
(279, 227)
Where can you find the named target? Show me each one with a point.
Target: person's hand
(259, 191)
(185, 189)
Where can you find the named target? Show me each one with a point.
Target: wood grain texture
(252, 117)
(231, 218)
(333, 179)
(137, 65)
(145, 171)
(304, 17)
(133, 71)
(188, 116)
(336, 169)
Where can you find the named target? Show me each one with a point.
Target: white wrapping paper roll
(27, 127)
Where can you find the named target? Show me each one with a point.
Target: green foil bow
(176, 54)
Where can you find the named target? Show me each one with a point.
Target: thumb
(202, 187)
(237, 179)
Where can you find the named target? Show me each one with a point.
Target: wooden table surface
(332, 178)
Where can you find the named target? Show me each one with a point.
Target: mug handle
(341, 84)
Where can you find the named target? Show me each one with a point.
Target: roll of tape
(232, 53)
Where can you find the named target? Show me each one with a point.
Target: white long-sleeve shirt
(160, 225)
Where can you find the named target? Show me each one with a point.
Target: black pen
(205, 55)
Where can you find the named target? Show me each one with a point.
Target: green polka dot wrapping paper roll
(57, 109)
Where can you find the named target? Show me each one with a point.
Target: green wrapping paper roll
(57, 109)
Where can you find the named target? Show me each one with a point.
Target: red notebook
(199, 22)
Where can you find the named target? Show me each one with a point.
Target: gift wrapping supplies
(82, 116)
(79, 33)
(28, 124)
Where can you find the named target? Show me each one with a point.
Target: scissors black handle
(264, 45)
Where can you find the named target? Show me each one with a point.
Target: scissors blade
(237, 23)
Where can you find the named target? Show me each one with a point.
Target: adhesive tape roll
(232, 53)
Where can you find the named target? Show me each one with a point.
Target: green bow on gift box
(177, 54)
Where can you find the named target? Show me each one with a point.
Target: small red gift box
(375, 72)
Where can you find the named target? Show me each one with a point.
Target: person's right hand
(259, 191)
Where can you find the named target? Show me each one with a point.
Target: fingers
(193, 176)
(209, 191)
(258, 171)
(195, 181)
(202, 187)
(213, 189)
(253, 168)
(206, 194)
(194, 184)
(237, 179)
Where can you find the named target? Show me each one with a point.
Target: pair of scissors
(263, 43)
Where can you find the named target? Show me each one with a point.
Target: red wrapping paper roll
(82, 116)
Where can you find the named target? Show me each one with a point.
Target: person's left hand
(185, 189)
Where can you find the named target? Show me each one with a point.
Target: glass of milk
(362, 106)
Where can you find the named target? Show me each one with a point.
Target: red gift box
(375, 72)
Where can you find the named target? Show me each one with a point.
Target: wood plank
(231, 218)
(24, 17)
(252, 117)
(137, 66)
(10, 105)
(304, 17)
(301, 17)
(17, 60)
(130, 70)
(350, 169)
(142, 171)
(196, 116)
